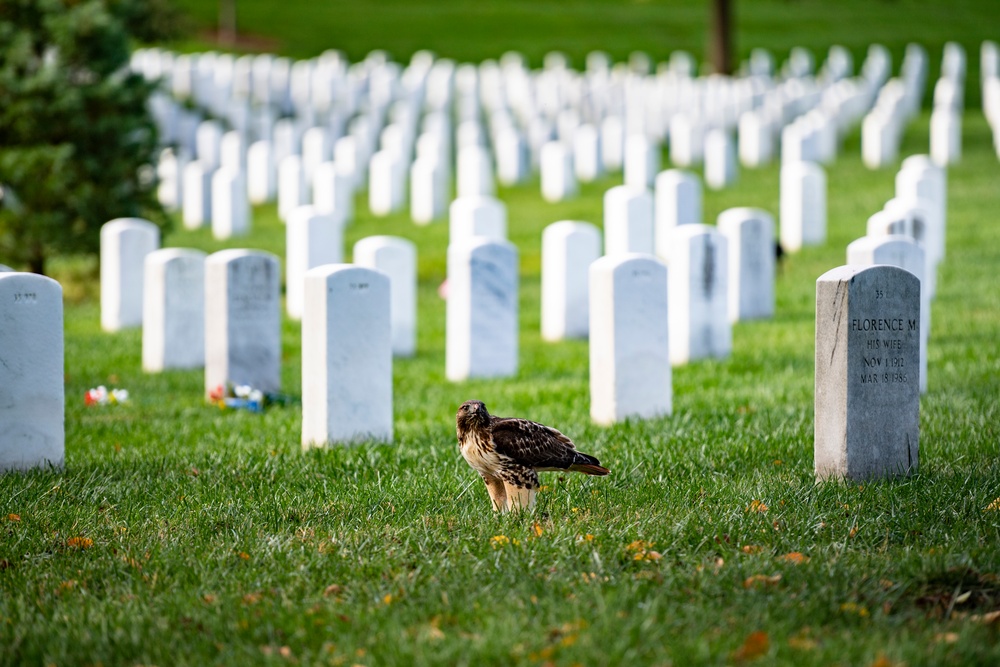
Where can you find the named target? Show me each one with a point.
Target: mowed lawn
(179, 534)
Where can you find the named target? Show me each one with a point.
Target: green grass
(216, 540)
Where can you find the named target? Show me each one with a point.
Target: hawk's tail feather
(589, 469)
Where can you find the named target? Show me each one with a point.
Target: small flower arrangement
(238, 397)
(103, 396)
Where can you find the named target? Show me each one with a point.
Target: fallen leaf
(244, 555)
(986, 619)
(959, 599)
(882, 661)
(333, 589)
(537, 529)
(946, 637)
(854, 608)
(498, 541)
(209, 598)
(993, 507)
(13, 517)
(751, 549)
(795, 558)
(387, 598)
(80, 542)
(762, 579)
(757, 506)
(754, 646)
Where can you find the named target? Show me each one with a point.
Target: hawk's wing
(532, 444)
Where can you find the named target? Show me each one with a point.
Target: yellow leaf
(754, 646)
(498, 541)
(993, 507)
(13, 517)
(80, 542)
(333, 589)
(795, 558)
(244, 555)
(986, 619)
(653, 555)
(537, 529)
(882, 661)
(761, 579)
(757, 506)
(751, 549)
(209, 598)
(387, 598)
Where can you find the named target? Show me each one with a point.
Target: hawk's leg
(520, 483)
(519, 497)
(497, 491)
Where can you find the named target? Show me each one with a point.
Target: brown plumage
(508, 453)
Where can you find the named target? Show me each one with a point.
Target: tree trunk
(227, 22)
(37, 263)
(721, 47)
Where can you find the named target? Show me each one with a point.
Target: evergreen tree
(75, 133)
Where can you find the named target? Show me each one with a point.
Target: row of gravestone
(575, 146)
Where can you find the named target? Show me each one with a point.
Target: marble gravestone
(311, 239)
(568, 250)
(397, 258)
(173, 319)
(196, 194)
(630, 374)
(32, 377)
(293, 191)
(642, 161)
(802, 216)
(698, 292)
(867, 399)
(720, 160)
(482, 311)
(242, 320)
(346, 356)
(676, 201)
(387, 174)
(474, 175)
(628, 220)
(476, 216)
(750, 236)
(904, 252)
(558, 177)
(333, 192)
(231, 212)
(262, 175)
(428, 190)
(125, 242)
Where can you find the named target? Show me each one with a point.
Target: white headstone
(173, 320)
(232, 152)
(628, 220)
(170, 172)
(803, 205)
(312, 239)
(333, 192)
(612, 143)
(630, 373)
(386, 183)
(756, 142)
(687, 140)
(946, 136)
(511, 156)
(677, 201)
(476, 216)
(474, 175)
(699, 282)
(568, 249)
(125, 242)
(208, 140)
(242, 320)
(749, 234)
(397, 258)
(904, 252)
(482, 315)
(867, 398)
(32, 377)
(196, 210)
(642, 161)
(720, 160)
(587, 159)
(230, 207)
(920, 179)
(558, 177)
(428, 190)
(346, 356)
(293, 191)
(262, 175)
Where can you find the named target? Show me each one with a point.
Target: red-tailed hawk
(508, 453)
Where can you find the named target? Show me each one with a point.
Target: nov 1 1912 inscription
(867, 402)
